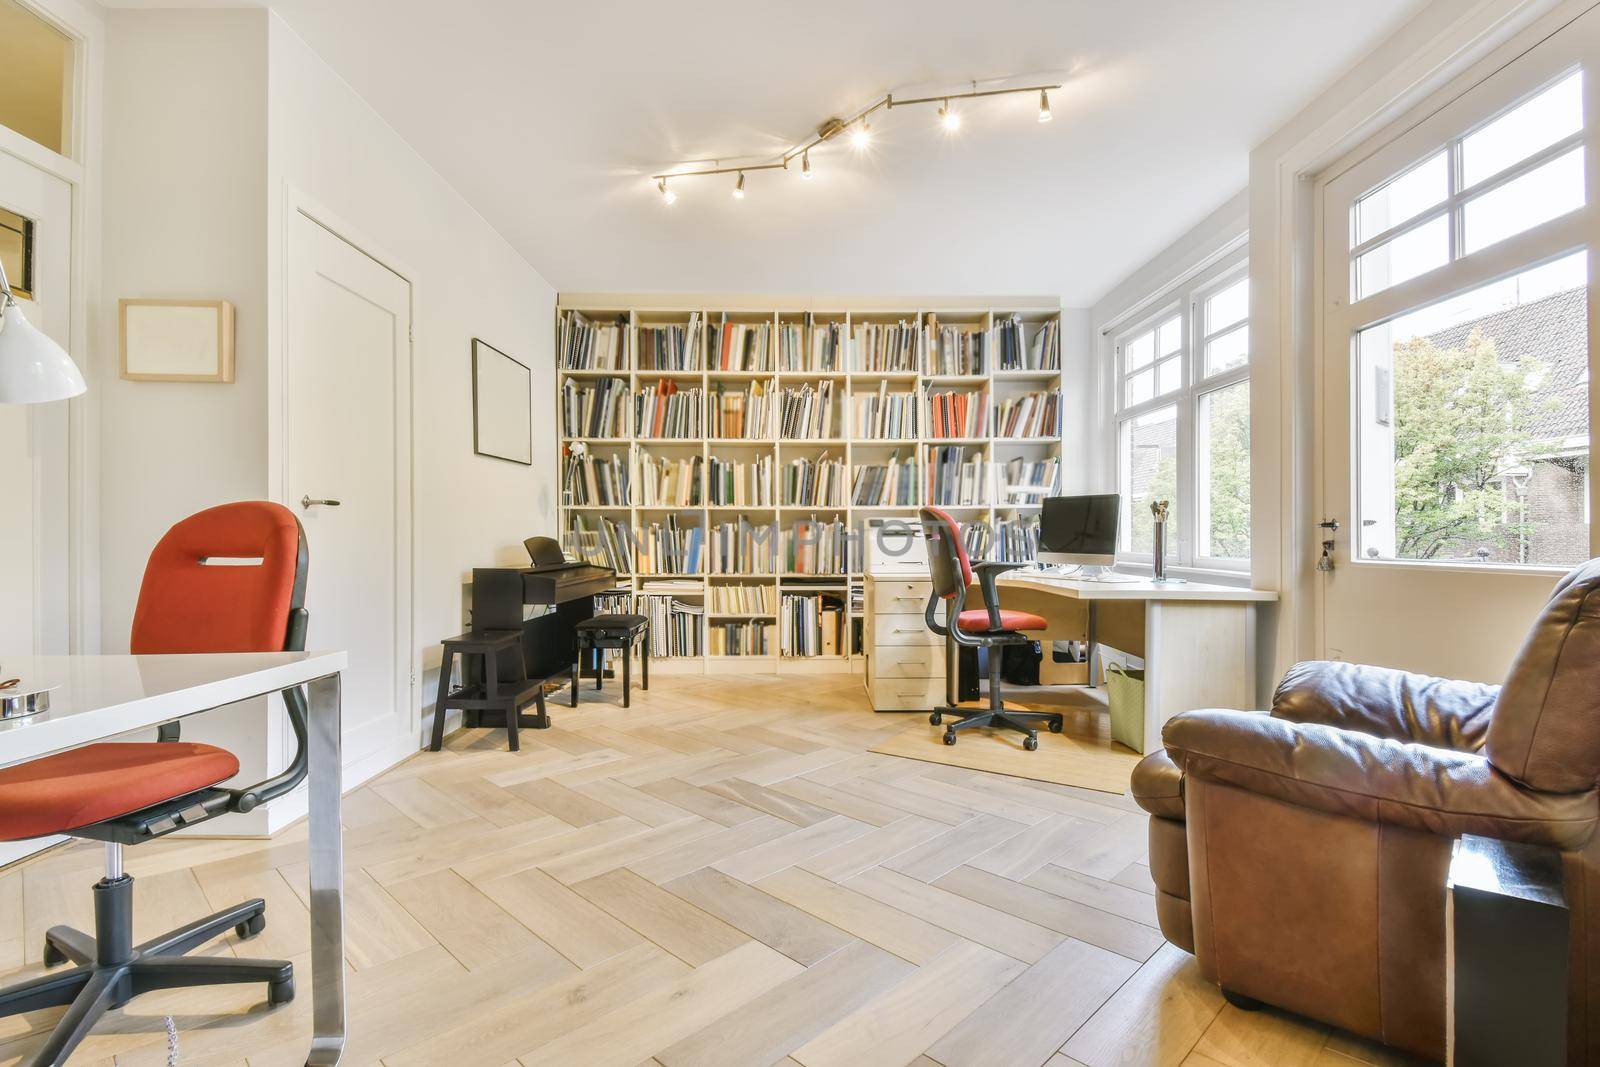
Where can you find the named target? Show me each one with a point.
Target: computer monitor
(1079, 529)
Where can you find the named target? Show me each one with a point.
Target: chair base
(110, 970)
(1025, 722)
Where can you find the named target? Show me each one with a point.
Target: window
(36, 63)
(1183, 422)
(16, 252)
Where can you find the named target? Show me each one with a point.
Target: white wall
(329, 146)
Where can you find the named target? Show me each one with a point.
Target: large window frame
(1187, 301)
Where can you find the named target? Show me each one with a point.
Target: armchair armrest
(1380, 780)
(1387, 703)
(987, 572)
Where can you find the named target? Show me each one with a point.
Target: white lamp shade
(33, 368)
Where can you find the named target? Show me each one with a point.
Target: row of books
(664, 410)
(814, 348)
(737, 599)
(742, 547)
(958, 414)
(808, 413)
(674, 624)
(669, 483)
(885, 415)
(740, 639)
(955, 349)
(741, 483)
(674, 347)
(955, 477)
(605, 544)
(1042, 474)
(809, 482)
(1017, 540)
(746, 415)
(1014, 351)
(1030, 415)
(886, 347)
(814, 547)
(594, 409)
(671, 547)
(597, 480)
(588, 345)
(739, 345)
(882, 485)
(811, 625)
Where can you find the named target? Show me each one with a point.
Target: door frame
(296, 202)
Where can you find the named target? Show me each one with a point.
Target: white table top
(103, 696)
(1142, 589)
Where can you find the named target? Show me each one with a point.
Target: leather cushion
(612, 622)
(1387, 703)
(1158, 786)
(82, 786)
(976, 620)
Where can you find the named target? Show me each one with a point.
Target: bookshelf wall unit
(916, 391)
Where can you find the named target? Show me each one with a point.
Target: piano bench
(492, 692)
(613, 632)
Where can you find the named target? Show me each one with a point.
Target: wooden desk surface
(1135, 590)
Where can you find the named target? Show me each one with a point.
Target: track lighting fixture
(1044, 105)
(738, 190)
(949, 117)
(667, 195)
(805, 164)
(862, 135)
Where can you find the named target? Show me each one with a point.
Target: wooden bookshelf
(983, 318)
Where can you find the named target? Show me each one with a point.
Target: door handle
(307, 502)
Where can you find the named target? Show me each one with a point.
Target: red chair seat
(976, 620)
(87, 785)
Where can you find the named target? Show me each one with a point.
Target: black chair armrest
(988, 571)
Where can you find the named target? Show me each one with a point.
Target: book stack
(884, 415)
(743, 599)
(1029, 415)
(670, 347)
(978, 537)
(669, 483)
(674, 622)
(955, 350)
(587, 345)
(742, 547)
(808, 413)
(811, 625)
(884, 347)
(1037, 474)
(741, 638)
(739, 345)
(885, 485)
(813, 547)
(738, 484)
(671, 548)
(1015, 350)
(741, 415)
(593, 480)
(594, 409)
(956, 477)
(954, 414)
(1017, 540)
(814, 482)
(811, 348)
(664, 410)
(611, 545)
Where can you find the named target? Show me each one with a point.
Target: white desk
(1198, 641)
(103, 696)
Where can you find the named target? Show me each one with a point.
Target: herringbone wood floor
(722, 874)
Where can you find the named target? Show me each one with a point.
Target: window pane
(1141, 387)
(1170, 336)
(1522, 203)
(1168, 376)
(1141, 350)
(1403, 198)
(1149, 471)
(1473, 425)
(1229, 306)
(1412, 253)
(1519, 133)
(35, 76)
(1230, 350)
(1223, 472)
(16, 251)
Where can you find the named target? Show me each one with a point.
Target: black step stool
(613, 632)
(490, 692)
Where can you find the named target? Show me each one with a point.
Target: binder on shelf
(588, 345)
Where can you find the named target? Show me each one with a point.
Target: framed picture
(176, 340)
(502, 405)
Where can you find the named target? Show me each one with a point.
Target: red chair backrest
(947, 554)
(187, 605)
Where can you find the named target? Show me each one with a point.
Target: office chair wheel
(53, 957)
(251, 927)
(1030, 742)
(1055, 726)
(949, 735)
(935, 719)
(280, 992)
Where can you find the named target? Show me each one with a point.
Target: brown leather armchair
(1301, 856)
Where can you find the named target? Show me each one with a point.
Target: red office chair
(123, 794)
(988, 627)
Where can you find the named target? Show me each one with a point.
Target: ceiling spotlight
(1044, 105)
(862, 135)
(667, 195)
(805, 164)
(738, 190)
(949, 116)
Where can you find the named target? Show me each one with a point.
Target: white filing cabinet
(905, 659)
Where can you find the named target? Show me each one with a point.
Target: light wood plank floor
(721, 875)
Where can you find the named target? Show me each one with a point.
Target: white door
(33, 438)
(1458, 350)
(347, 434)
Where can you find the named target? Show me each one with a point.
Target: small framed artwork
(176, 340)
(502, 405)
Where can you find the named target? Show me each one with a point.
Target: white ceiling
(549, 117)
